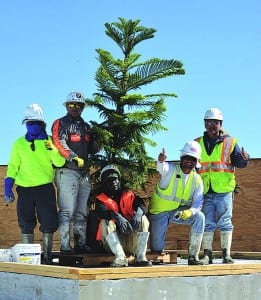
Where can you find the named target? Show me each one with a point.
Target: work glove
(9, 195)
(136, 219)
(49, 145)
(185, 214)
(122, 223)
(79, 161)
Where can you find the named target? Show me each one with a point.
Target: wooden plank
(167, 257)
(170, 271)
(41, 270)
(96, 259)
(131, 272)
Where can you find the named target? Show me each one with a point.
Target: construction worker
(74, 139)
(30, 168)
(178, 199)
(123, 224)
(220, 155)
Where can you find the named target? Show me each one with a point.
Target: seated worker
(123, 225)
(178, 199)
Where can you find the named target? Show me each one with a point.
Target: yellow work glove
(79, 161)
(49, 145)
(187, 213)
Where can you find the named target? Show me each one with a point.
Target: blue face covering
(35, 132)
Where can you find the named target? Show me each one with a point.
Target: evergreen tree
(127, 116)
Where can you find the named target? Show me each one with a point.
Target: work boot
(141, 249)
(207, 242)
(194, 248)
(64, 231)
(226, 241)
(207, 258)
(47, 248)
(27, 238)
(192, 261)
(116, 248)
(79, 234)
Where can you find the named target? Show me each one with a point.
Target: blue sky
(48, 50)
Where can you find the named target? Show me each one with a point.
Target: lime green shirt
(32, 168)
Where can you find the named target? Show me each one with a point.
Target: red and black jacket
(73, 138)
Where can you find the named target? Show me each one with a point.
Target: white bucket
(6, 255)
(27, 253)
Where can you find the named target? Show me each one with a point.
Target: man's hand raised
(162, 156)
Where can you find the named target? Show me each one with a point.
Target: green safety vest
(216, 169)
(176, 194)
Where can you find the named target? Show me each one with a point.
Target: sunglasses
(212, 122)
(75, 105)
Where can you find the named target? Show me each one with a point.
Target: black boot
(192, 261)
(80, 248)
(47, 248)
(207, 258)
(27, 238)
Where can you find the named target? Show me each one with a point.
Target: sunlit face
(74, 109)
(213, 127)
(187, 163)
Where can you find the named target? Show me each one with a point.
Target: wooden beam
(131, 272)
(101, 259)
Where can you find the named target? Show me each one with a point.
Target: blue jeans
(73, 190)
(159, 224)
(217, 208)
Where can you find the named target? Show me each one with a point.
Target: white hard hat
(75, 97)
(192, 148)
(33, 112)
(214, 114)
(109, 171)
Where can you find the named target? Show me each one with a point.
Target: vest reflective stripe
(173, 197)
(216, 169)
(175, 194)
(227, 149)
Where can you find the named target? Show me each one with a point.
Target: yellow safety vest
(216, 169)
(176, 194)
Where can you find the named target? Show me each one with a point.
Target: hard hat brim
(31, 120)
(183, 153)
(198, 165)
